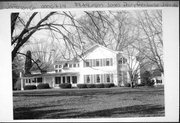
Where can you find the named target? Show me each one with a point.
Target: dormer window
(65, 65)
(56, 66)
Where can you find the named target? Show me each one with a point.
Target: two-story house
(97, 65)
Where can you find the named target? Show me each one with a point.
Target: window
(97, 62)
(74, 65)
(56, 71)
(68, 79)
(98, 79)
(60, 66)
(88, 79)
(78, 65)
(64, 79)
(57, 80)
(70, 65)
(60, 70)
(56, 66)
(39, 80)
(65, 65)
(74, 79)
(122, 61)
(107, 62)
(87, 64)
(108, 78)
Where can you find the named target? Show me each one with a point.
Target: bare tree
(150, 42)
(27, 30)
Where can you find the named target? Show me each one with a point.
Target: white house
(97, 65)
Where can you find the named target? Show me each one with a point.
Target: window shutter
(92, 62)
(84, 78)
(103, 62)
(111, 61)
(111, 77)
(101, 78)
(84, 63)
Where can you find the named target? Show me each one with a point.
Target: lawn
(89, 103)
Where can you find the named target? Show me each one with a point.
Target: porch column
(71, 79)
(65, 79)
(22, 84)
(61, 79)
(21, 79)
(36, 81)
(53, 82)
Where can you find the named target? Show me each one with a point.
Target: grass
(89, 103)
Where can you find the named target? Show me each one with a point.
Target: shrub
(99, 85)
(29, 87)
(127, 85)
(81, 85)
(107, 85)
(111, 84)
(43, 86)
(90, 85)
(150, 83)
(142, 84)
(18, 85)
(65, 85)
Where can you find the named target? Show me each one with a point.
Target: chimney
(52, 53)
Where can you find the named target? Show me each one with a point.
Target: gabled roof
(96, 46)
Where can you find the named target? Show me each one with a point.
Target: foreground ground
(89, 103)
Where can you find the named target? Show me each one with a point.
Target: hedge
(29, 87)
(99, 85)
(65, 85)
(127, 85)
(82, 85)
(108, 85)
(90, 85)
(43, 86)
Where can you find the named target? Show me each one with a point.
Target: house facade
(97, 65)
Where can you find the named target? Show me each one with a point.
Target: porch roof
(50, 74)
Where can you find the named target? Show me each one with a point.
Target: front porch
(53, 79)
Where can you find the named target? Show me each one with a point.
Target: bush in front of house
(29, 87)
(17, 85)
(82, 85)
(99, 85)
(108, 85)
(43, 86)
(90, 85)
(111, 84)
(65, 85)
(127, 85)
(150, 83)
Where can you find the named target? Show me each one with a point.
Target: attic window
(122, 61)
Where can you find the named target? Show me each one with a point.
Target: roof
(50, 74)
(47, 68)
(156, 73)
(74, 60)
(96, 46)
